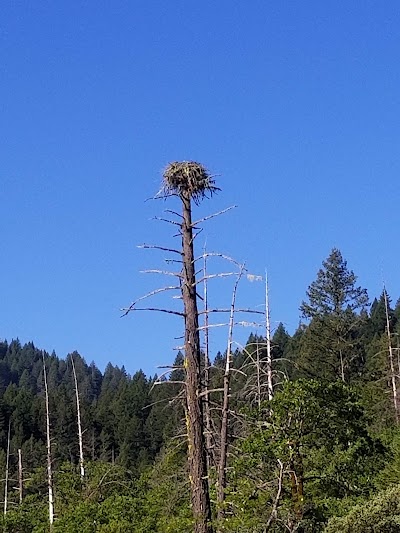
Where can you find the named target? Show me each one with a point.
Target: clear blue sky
(295, 105)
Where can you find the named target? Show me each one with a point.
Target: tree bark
(391, 361)
(194, 413)
(48, 446)
(270, 383)
(20, 476)
(7, 468)
(78, 414)
(207, 412)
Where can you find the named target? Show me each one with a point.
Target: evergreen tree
(334, 291)
(280, 344)
(331, 345)
(377, 321)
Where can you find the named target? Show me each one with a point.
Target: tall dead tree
(391, 360)
(225, 407)
(270, 384)
(20, 476)
(207, 364)
(48, 447)
(190, 181)
(78, 415)
(7, 469)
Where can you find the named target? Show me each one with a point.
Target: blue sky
(294, 106)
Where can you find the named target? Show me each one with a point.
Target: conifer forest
(290, 432)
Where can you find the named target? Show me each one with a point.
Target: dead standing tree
(190, 182)
(391, 359)
(48, 448)
(78, 415)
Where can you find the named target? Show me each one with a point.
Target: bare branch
(213, 215)
(166, 220)
(238, 371)
(173, 261)
(159, 378)
(164, 382)
(171, 367)
(159, 271)
(220, 275)
(152, 309)
(228, 311)
(156, 247)
(240, 323)
(222, 256)
(148, 295)
(174, 213)
(274, 511)
(199, 230)
(204, 393)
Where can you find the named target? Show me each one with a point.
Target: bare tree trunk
(20, 476)
(270, 384)
(398, 356)
(78, 410)
(7, 468)
(341, 366)
(225, 409)
(194, 419)
(274, 513)
(207, 411)
(391, 360)
(297, 481)
(48, 445)
(258, 370)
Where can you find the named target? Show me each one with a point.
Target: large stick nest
(188, 178)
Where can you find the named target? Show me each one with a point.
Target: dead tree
(225, 407)
(190, 182)
(20, 476)
(207, 364)
(270, 384)
(210, 431)
(7, 469)
(391, 360)
(78, 415)
(48, 447)
(260, 385)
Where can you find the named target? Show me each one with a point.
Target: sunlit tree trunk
(7, 469)
(270, 384)
(207, 412)
(78, 414)
(197, 448)
(225, 409)
(48, 447)
(20, 476)
(391, 361)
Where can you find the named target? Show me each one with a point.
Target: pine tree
(331, 345)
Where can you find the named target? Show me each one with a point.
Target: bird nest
(188, 178)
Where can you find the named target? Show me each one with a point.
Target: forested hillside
(319, 451)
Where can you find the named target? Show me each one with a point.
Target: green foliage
(334, 290)
(332, 346)
(309, 456)
(379, 515)
(315, 435)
